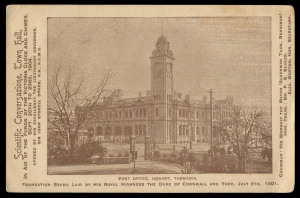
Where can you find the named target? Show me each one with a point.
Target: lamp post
(132, 148)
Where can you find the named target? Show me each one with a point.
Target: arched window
(128, 131)
(99, 131)
(144, 130)
(90, 132)
(108, 131)
(136, 113)
(187, 130)
(118, 130)
(140, 112)
(180, 130)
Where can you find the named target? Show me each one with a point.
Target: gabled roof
(127, 102)
(140, 102)
(185, 102)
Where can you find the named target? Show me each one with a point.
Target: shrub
(59, 155)
(218, 163)
(84, 152)
(186, 167)
(173, 157)
(157, 154)
(224, 163)
(191, 157)
(126, 154)
(186, 160)
(183, 155)
(205, 159)
(119, 155)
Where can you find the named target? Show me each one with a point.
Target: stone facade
(163, 114)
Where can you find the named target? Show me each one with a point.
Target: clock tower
(162, 71)
(162, 88)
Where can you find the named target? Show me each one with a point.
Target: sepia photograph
(159, 95)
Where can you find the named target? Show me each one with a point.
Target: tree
(245, 131)
(186, 160)
(71, 105)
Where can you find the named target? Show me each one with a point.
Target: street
(142, 167)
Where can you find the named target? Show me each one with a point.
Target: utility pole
(211, 124)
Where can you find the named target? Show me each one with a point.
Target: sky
(230, 55)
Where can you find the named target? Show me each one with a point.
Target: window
(156, 112)
(180, 130)
(99, 131)
(183, 130)
(169, 98)
(197, 130)
(118, 130)
(180, 113)
(203, 130)
(144, 130)
(187, 130)
(136, 129)
(144, 112)
(108, 131)
(130, 114)
(141, 112)
(140, 130)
